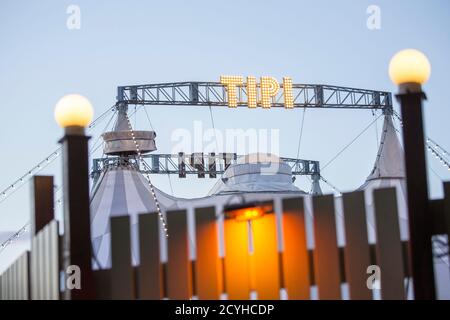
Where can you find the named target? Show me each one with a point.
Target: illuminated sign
(268, 90)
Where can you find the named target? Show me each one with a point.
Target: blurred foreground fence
(262, 269)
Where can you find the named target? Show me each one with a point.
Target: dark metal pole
(417, 188)
(77, 230)
(42, 202)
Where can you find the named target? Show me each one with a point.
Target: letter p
(269, 89)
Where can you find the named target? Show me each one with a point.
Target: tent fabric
(123, 190)
(389, 163)
(256, 173)
(388, 171)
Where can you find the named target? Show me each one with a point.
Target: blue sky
(136, 42)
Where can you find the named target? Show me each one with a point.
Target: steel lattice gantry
(215, 94)
(197, 163)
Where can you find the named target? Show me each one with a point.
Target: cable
(33, 171)
(152, 189)
(100, 117)
(104, 130)
(328, 183)
(16, 235)
(374, 113)
(348, 145)
(301, 133)
(13, 187)
(148, 118)
(214, 128)
(381, 146)
(437, 150)
(439, 156)
(444, 152)
(430, 142)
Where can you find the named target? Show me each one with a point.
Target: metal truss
(194, 164)
(214, 94)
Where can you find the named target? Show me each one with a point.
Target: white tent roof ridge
(389, 163)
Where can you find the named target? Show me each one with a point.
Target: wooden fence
(263, 270)
(35, 274)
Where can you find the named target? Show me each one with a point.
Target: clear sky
(137, 42)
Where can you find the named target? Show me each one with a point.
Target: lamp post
(409, 69)
(73, 113)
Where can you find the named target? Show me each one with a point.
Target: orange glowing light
(245, 213)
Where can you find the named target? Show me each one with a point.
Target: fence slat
(34, 268)
(237, 273)
(19, 279)
(149, 270)
(207, 264)
(266, 268)
(26, 276)
(41, 270)
(53, 260)
(14, 277)
(23, 278)
(8, 284)
(45, 262)
(295, 256)
(179, 277)
(122, 273)
(326, 254)
(357, 252)
(389, 247)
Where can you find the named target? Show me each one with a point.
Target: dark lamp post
(409, 69)
(74, 113)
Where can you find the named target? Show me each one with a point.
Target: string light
(8, 191)
(14, 237)
(432, 146)
(445, 163)
(44, 163)
(24, 178)
(22, 230)
(152, 189)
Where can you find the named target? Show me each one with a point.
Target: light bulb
(73, 110)
(409, 66)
